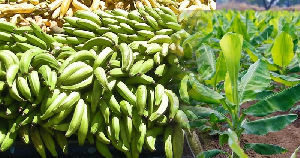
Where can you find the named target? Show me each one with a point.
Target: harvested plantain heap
(104, 78)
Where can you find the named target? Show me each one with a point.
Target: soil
(288, 138)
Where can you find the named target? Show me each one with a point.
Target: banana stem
(185, 134)
(194, 143)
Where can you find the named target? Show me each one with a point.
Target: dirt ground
(288, 138)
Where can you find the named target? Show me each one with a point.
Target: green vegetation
(235, 57)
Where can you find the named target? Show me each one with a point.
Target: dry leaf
(79, 5)
(34, 2)
(56, 12)
(69, 12)
(95, 5)
(15, 19)
(65, 5)
(184, 4)
(86, 2)
(102, 5)
(54, 5)
(17, 8)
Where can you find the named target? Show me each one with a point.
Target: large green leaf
(286, 28)
(251, 51)
(220, 71)
(231, 45)
(197, 39)
(282, 50)
(294, 63)
(202, 93)
(281, 101)
(266, 125)
(266, 50)
(203, 112)
(198, 123)
(219, 33)
(295, 20)
(299, 59)
(233, 143)
(289, 29)
(254, 55)
(262, 95)
(274, 22)
(239, 27)
(210, 153)
(205, 39)
(192, 79)
(209, 24)
(206, 62)
(265, 149)
(228, 89)
(193, 42)
(230, 24)
(251, 28)
(286, 80)
(264, 22)
(223, 139)
(191, 38)
(272, 66)
(191, 115)
(216, 20)
(254, 81)
(264, 35)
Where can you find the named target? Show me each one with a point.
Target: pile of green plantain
(103, 79)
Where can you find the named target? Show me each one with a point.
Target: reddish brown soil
(288, 138)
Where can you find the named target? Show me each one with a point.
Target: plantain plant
(234, 57)
(238, 88)
(266, 35)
